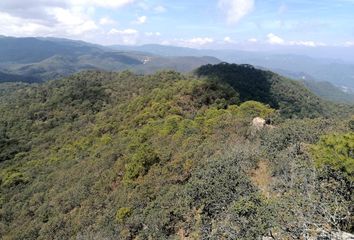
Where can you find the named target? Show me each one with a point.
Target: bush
(253, 109)
(122, 214)
(337, 152)
(13, 178)
(140, 162)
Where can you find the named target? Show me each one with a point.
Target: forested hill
(290, 97)
(102, 155)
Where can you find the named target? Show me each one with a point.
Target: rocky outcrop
(258, 123)
(343, 236)
(327, 236)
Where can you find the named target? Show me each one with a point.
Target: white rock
(258, 123)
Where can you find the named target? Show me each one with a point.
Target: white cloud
(14, 26)
(126, 31)
(253, 40)
(152, 34)
(274, 39)
(200, 41)
(235, 10)
(107, 21)
(72, 21)
(26, 7)
(349, 43)
(140, 20)
(305, 43)
(228, 40)
(64, 22)
(61, 18)
(68, 16)
(100, 3)
(196, 42)
(126, 36)
(146, 7)
(160, 9)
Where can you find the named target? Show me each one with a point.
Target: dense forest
(226, 152)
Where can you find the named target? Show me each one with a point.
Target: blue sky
(197, 23)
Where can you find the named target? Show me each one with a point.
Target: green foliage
(8, 147)
(141, 161)
(254, 215)
(172, 147)
(337, 152)
(351, 124)
(12, 178)
(320, 196)
(294, 132)
(250, 83)
(255, 109)
(291, 98)
(219, 180)
(123, 213)
(327, 90)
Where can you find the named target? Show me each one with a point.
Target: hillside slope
(328, 91)
(104, 155)
(290, 97)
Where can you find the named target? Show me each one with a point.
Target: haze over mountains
(48, 58)
(40, 59)
(341, 72)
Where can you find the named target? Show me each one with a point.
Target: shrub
(13, 178)
(140, 162)
(122, 214)
(337, 152)
(253, 109)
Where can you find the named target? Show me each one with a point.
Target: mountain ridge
(56, 58)
(33, 57)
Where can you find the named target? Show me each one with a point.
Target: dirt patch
(262, 178)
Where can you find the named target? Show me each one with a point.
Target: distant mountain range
(40, 59)
(335, 71)
(331, 79)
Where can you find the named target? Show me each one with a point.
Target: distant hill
(327, 90)
(298, 67)
(290, 97)
(5, 77)
(30, 50)
(333, 71)
(322, 69)
(162, 50)
(41, 59)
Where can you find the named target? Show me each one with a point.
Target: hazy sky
(192, 23)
